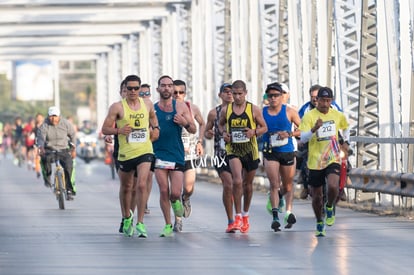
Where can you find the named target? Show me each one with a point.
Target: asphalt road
(38, 238)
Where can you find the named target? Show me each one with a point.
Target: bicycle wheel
(60, 192)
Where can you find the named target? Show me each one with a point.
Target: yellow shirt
(138, 142)
(323, 147)
(240, 145)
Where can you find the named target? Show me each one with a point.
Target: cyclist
(55, 134)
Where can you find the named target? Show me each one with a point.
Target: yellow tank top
(138, 142)
(240, 145)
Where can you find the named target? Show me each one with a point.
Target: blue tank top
(277, 123)
(169, 146)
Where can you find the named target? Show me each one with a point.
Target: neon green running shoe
(269, 204)
(177, 208)
(330, 216)
(320, 229)
(167, 231)
(128, 227)
(141, 230)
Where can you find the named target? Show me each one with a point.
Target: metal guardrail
(388, 182)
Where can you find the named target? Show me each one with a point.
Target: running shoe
(177, 208)
(48, 184)
(187, 207)
(167, 231)
(304, 193)
(245, 226)
(269, 204)
(330, 216)
(121, 227)
(230, 228)
(141, 230)
(69, 195)
(320, 229)
(237, 224)
(178, 224)
(289, 220)
(128, 228)
(275, 225)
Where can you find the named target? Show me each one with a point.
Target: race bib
(239, 136)
(138, 135)
(326, 131)
(277, 141)
(163, 164)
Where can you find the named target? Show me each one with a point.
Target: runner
(240, 123)
(279, 153)
(133, 116)
(169, 150)
(320, 127)
(193, 149)
(221, 163)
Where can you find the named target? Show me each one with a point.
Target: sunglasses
(142, 94)
(136, 88)
(179, 92)
(273, 95)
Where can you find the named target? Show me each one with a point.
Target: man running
(240, 123)
(193, 149)
(279, 152)
(133, 116)
(173, 116)
(221, 161)
(320, 127)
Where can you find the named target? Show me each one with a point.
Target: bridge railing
(377, 182)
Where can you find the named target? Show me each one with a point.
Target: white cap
(53, 111)
(285, 88)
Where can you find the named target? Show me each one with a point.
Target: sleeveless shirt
(240, 145)
(277, 123)
(169, 146)
(138, 142)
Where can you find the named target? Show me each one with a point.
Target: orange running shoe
(230, 228)
(246, 226)
(236, 225)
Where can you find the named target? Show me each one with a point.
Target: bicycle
(59, 183)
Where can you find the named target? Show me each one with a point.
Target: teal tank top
(169, 146)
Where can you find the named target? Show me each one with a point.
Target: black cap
(274, 86)
(225, 85)
(325, 92)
